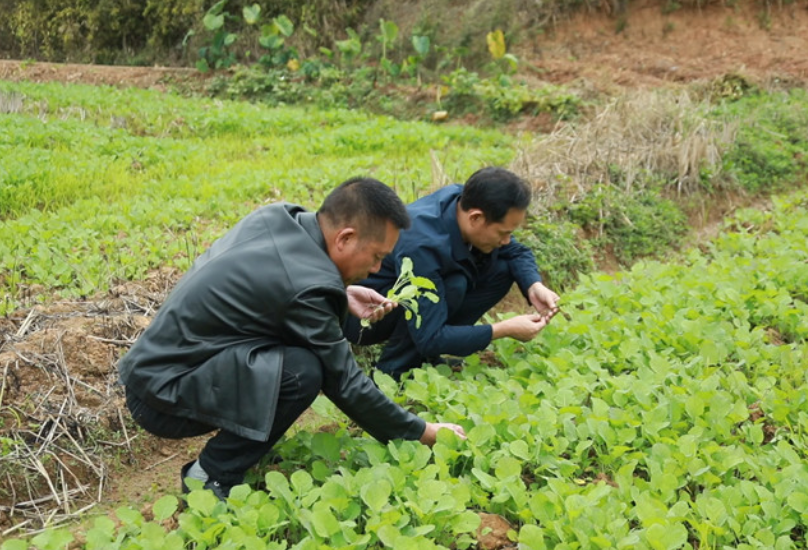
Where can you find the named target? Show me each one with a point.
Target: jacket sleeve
(522, 264)
(435, 336)
(313, 322)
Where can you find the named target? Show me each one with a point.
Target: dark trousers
(226, 457)
(467, 301)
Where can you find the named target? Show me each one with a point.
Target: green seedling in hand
(406, 291)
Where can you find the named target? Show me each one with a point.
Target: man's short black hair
(367, 204)
(495, 191)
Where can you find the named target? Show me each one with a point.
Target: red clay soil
(647, 48)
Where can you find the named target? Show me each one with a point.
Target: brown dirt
(645, 48)
(57, 361)
(493, 532)
(156, 78)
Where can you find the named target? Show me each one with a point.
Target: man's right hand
(521, 327)
(431, 432)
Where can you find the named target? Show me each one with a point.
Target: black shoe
(219, 490)
(454, 363)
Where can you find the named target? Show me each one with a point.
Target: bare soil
(57, 361)
(645, 48)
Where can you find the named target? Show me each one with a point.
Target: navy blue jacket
(437, 250)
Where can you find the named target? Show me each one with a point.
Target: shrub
(561, 251)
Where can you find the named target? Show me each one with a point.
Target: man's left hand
(430, 435)
(544, 300)
(366, 303)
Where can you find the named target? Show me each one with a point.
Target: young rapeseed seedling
(406, 291)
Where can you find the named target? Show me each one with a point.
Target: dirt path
(157, 78)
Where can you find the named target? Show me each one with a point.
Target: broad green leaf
(202, 501)
(153, 534)
(799, 501)
(421, 44)
(301, 481)
(268, 516)
(101, 534)
(277, 483)
(431, 489)
(240, 492)
(666, 536)
(251, 14)
(14, 544)
(520, 449)
(129, 516)
(513, 61)
(213, 22)
(423, 282)
(531, 537)
(326, 445)
(52, 539)
(271, 41)
(165, 507)
(376, 494)
(388, 534)
(284, 25)
(465, 522)
(325, 523)
(389, 30)
(508, 466)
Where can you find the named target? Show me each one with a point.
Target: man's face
(488, 236)
(360, 256)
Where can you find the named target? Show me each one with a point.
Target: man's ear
(476, 216)
(345, 237)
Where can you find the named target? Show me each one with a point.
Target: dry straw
(641, 135)
(57, 457)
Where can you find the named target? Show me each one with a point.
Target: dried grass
(53, 454)
(641, 135)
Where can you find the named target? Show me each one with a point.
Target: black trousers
(226, 456)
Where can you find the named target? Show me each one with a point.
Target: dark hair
(367, 204)
(495, 191)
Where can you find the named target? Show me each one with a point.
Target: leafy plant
(498, 49)
(273, 38)
(216, 54)
(406, 291)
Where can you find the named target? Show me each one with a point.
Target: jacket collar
(308, 221)
(460, 250)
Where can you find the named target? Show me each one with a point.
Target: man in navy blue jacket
(461, 239)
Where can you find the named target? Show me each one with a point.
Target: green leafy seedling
(406, 291)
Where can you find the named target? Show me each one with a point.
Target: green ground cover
(670, 412)
(102, 184)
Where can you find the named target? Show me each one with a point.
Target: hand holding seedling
(366, 303)
(522, 327)
(545, 301)
(406, 291)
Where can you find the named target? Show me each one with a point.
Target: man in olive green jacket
(253, 332)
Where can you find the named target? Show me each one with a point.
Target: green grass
(102, 184)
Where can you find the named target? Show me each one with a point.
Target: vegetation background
(640, 125)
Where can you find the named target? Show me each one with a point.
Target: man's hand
(366, 303)
(544, 300)
(431, 432)
(521, 327)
